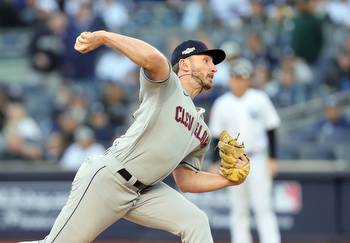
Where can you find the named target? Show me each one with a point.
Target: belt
(127, 176)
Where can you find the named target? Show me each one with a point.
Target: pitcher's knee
(197, 221)
(195, 228)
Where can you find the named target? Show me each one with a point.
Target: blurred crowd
(73, 105)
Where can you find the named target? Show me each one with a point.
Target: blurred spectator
(81, 68)
(113, 66)
(286, 91)
(99, 121)
(171, 42)
(337, 72)
(229, 12)
(281, 14)
(193, 14)
(261, 76)
(17, 119)
(346, 42)
(333, 120)
(79, 106)
(66, 123)
(83, 147)
(9, 15)
(114, 14)
(338, 11)
(257, 20)
(307, 35)
(34, 12)
(46, 47)
(323, 139)
(45, 7)
(172, 13)
(256, 51)
(116, 103)
(4, 100)
(302, 71)
(17, 13)
(259, 24)
(71, 101)
(54, 147)
(22, 135)
(61, 99)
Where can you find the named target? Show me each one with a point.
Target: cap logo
(188, 50)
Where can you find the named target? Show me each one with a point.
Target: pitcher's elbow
(154, 60)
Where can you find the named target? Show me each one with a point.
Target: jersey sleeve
(194, 160)
(144, 76)
(271, 118)
(150, 87)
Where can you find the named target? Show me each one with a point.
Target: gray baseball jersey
(168, 129)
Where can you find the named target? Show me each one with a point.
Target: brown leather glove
(234, 164)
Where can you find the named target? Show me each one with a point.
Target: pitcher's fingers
(83, 40)
(226, 164)
(228, 149)
(85, 34)
(241, 163)
(81, 48)
(227, 158)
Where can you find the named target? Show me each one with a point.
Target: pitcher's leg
(96, 201)
(240, 216)
(164, 208)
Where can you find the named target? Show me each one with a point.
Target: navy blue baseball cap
(195, 47)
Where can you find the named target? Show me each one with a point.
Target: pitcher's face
(203, 68)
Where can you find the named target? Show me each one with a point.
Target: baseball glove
(232, 165)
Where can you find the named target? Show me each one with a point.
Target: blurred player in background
(250, 112)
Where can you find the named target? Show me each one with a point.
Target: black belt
(127, 176)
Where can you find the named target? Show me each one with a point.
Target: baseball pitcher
(168, 136)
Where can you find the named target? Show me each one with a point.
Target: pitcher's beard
(199, 80)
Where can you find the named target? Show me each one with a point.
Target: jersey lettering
(202, 136)
(184, 117)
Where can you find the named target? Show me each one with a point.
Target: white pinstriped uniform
(251, 115)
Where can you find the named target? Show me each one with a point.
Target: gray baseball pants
(100, 196)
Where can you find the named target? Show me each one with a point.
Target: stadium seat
(287, 151)
(339, 136)
(314, 151)
(341, 151)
